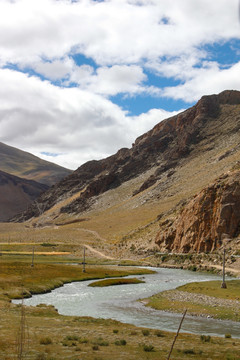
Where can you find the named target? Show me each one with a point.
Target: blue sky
(81, 79)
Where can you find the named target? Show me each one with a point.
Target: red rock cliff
(211, 216)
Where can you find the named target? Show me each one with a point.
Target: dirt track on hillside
(90, 248)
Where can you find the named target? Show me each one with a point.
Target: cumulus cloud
(72, 124)
(61, 109)
(113, 31)
(114, 80)
(209, 79)
(58, 69)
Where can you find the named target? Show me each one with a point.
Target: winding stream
(120, 303)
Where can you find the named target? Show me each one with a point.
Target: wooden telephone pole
(224, 285)
(22, 336)
(175, 338)
(84, 263)
(32, 264)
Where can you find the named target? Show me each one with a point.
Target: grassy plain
(205, 298)
(50, 336)
(19, 277)
(213, 288)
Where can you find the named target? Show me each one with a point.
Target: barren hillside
(25, 165)
(16, 194)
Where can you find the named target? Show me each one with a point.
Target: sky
(81, 79)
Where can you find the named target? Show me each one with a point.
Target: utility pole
(224, 285)
(32, 265)
(21, 340)
(84, 263)
(175, 338)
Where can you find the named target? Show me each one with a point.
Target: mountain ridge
(28, 166)
(132, 190)
(16, 194)
(23, 177)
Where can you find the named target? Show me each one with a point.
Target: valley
(170, 201)
(134, 199)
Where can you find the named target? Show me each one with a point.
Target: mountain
(16, 194)
(131, 197)
(25, 165)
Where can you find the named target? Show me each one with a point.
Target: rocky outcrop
(210, 217)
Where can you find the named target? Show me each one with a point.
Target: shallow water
(120, 303)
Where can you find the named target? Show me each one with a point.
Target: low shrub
(228, 336)
(188, 351)
(159, 333)
(148, 348)
(205, 338)
(133, 332)
(69, 343)
(145, 332)
(83, 341)
(120, 342)
(72, 337)
(45, 341)
(100, 342)
(115, 331)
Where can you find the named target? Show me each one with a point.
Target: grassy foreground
(202, 298)
(50, 336)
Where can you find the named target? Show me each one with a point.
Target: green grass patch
(213, 288)
(19, 279)
(113, 282)
(170, 301)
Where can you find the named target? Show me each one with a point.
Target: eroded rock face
(211, 216)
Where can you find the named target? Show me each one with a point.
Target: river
(120, 303)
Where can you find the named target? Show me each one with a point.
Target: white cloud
(58, 69)
(106, 80)
(114, 80)
(37, 116)
(125, 39)
(113, 31)
(181, 68)
(205, 81)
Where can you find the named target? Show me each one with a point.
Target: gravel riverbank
(200, 304)
(201, 299)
